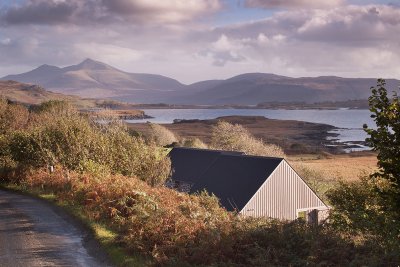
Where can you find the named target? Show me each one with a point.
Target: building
(251, 185)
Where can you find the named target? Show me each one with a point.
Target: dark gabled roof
(188, 164)
(232, 176)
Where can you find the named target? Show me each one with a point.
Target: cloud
(109, 53)
(270, 4)
(40, 12)
(79, 12)
(223, 51)
(346, 41)
(148, 36)
(169, 11)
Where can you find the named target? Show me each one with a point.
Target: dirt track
(33, 233)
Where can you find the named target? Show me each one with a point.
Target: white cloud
(224, 50)
(346, 41)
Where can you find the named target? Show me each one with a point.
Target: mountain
(254, 88)
(94, 79)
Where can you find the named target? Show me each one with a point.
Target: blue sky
(193, 40)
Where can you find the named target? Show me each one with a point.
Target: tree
(385, 139)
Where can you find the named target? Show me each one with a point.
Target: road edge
(99, 241)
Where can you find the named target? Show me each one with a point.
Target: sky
(193, 40)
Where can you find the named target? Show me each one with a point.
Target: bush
(234, 137)
(12, 117)
(361, 213)
(161, 135)
(58, 135)
(194, 143)
(178, 229)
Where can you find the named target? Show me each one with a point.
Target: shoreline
(295, 137)
(356, 104)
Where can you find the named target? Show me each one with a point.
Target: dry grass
(346, 167)
(175, 229)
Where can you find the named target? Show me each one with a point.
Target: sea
(348, 121)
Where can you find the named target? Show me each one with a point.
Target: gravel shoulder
(36, 233)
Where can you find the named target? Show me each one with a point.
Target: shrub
(194, 142)
(178, 229)
(234, 137)
(59, 135)
(161, 135)
(362, 214)
(12, 117)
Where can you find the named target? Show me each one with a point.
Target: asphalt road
(33, 233)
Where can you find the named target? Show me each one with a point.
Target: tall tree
(385, 139)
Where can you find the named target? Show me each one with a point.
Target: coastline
(295, 137)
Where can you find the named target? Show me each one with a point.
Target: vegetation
(369, 209)
(161, 135)
(56, 134)
(193, 142)
(234, 137)
(116, 180)
(165, 137)
(386, 140)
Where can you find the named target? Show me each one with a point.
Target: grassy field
(348, 167)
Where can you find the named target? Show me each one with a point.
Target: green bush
(360, 213)
(59, 135)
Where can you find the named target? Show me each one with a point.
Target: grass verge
(106, 238)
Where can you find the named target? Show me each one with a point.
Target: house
(251, 185)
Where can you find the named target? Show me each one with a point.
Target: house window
(310, 216)
(302, 215)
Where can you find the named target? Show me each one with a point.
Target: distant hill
(98, 80)
(94, 79)
(29, 94)
(255, 88)
(33, 94)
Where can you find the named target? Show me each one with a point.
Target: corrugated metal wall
(281, 195)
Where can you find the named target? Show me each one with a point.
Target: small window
(302, 215)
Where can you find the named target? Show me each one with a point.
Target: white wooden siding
(281, 195)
